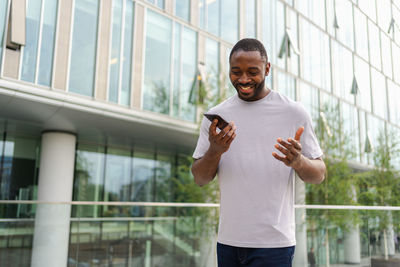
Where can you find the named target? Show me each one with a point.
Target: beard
(256, 94)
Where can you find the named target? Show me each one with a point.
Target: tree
(339, 185)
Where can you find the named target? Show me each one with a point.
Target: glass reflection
(29, 58)
(361, 33)
(212, 68)
(83, 52)
(350, 131)
(121, 52)
(47, 42)
(361, 69)
(250, 8)
(3, 12)
(157, 63)
(342, 63)
(315, 69)
(394, 107)
(89, 178)
(182, 9)
(230, 20)
(374, 45)
(18, 172)
(344, 12)
(379, 93)
(309, 97)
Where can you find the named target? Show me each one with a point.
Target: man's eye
(235, 72)
(253, 73)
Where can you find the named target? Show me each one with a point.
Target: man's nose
(243, 79)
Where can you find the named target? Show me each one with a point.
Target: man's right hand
(220, 142)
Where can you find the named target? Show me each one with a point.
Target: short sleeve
(202, 143)
(309, 142)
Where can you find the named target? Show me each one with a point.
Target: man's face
(247, 73)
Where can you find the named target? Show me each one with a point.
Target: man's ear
(267, 67)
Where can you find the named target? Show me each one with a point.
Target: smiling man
(255, 158)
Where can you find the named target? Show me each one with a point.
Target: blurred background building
(100, 102)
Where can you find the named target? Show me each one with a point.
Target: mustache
(244, 84)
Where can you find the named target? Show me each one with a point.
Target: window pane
(344, 12)
(361, 33)
(396, 63)
(273, 30)
(3, 15)
(213, 19)
(189, 68)
(202, 14)
(118, 171)
(396, 16)
(376, 127)
(330, 17)
(342, 62)
(158, 3)
(350, 131)
(28, 71)
(88, 180)
(368, 6)
(314, 10)
(379, 93)
(250, 18)
(164, 172)
(315, 69)
(19, 165)
(47, 42)
(212, 69)
(177, 68)
(286, 85)
(309, 97)
(386, 55)
(374, 45)
(157, 63)
(361, 69)
(144, 166)
(384, 14)
(182, 9)
(125, 97)
(83, 53)
(115, 50)
(394, 107)
(293, 64)
(230, 19)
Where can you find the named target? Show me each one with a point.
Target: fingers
(290, 147)
(283, 159)
(295, 143)
(213, 127)
(299, 133)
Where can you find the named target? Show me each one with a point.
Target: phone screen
(221, 122)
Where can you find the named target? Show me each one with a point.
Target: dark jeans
(229, 256)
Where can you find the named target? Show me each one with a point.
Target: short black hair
(249, 44)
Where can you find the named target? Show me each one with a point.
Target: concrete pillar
(352, 244)
(300, 254)
(352, 247)
(52, 221)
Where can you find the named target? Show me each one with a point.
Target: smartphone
(221, 122)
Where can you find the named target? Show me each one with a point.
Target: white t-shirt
(257, 191)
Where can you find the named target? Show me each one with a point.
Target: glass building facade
(120, 76)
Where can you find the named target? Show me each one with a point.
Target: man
(255, 160)
(311, 258)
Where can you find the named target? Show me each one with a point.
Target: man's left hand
(291, 150)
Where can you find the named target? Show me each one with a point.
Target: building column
(352, 246)
(52, 221)
(300, 254)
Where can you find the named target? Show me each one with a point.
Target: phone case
(221, 122)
